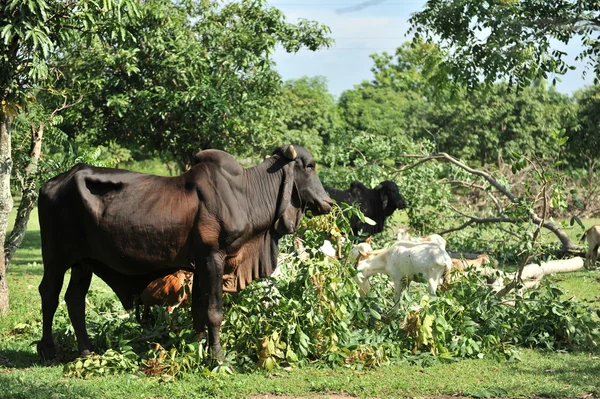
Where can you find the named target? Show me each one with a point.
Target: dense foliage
(517, 40)
(193, 75)
(313, 313)
(168, 78)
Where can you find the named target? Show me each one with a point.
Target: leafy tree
(510, 39)
(476, 124)
(485, 124)
(309, 114)
(584, 137)
(194, 75)
(29, 33)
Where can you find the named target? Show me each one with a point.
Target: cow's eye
(310, 167)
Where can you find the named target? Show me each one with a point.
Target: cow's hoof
(200, 336)
(217, 354)
(46, 350)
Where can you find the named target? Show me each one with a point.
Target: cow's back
(340, 196)
(132, 222)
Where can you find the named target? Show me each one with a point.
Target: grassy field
(547, 374)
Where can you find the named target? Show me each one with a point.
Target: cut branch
(566, 244)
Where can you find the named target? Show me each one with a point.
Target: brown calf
(170, 291)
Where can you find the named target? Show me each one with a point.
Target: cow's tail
(583, 235)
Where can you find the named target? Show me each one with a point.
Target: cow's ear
(384, 198)
(289, 209)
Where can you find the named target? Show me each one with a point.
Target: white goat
(593, 238)
(404, 263)
(362, 248)
(404, 237)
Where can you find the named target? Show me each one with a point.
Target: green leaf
(374, 313)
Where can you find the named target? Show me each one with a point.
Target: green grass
(547, 374)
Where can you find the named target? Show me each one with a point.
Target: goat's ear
(368, 240)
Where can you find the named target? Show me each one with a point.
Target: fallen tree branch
(566, 243)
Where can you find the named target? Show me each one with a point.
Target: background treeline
(186, 76)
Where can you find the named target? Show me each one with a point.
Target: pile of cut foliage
(313, 314)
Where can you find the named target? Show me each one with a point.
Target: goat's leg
(398, 287)
(588, 256)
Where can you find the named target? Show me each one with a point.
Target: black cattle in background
(375, 203)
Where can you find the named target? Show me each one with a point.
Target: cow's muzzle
(323, 207)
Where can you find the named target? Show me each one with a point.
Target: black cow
(219, 220)
(376, 204)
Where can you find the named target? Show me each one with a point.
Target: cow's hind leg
(49, 291)
(594, 253)
(81, 277)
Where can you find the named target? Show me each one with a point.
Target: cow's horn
(290, 152)
(267, 156)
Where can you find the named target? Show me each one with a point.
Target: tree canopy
(516, 40)
(194, 75)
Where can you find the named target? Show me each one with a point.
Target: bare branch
(462, 183)
(566, 242)
(475, 220)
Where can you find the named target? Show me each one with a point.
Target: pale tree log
(532, 274)
(6, 202)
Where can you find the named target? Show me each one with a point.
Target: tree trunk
(6, 202)
(28, 197)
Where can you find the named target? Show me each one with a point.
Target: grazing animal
(170, 291)
(593, 238)
(463, 263)
(360, 251)
(219, 220)
(412, 241)
(459, 264)
(403, 263)
(376, 204)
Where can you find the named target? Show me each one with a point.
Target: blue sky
(380, 27)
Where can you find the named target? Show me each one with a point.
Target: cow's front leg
(207, 301)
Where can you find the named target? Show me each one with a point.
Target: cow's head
(391, 199)
(303, 189)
